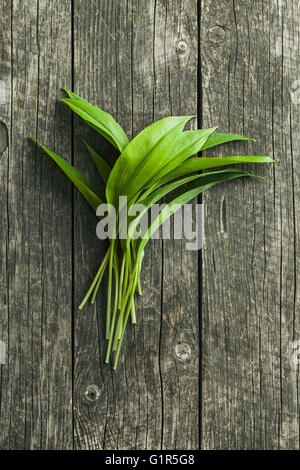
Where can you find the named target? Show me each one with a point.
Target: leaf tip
(256, 176)
(68, 92)
(33, 139)
(65, 100)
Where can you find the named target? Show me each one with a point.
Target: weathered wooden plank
(138, 70)
(5, 125)
(36, 263)
(179, 341)
(250, 59)
(146, 51)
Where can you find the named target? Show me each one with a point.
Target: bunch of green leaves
(156, 164)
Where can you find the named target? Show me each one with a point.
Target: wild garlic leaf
(188, 143)
(160, 193)
(140, 159)
(99, 120)
(103, 167)
(218, 139)
(183, 196)
(154, 161)
(156, 164)
(202, 163)
(81, 183)
(73, 95)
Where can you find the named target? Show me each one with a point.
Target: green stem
(100, 271)
(125, 287)
(98, 284)
(125, 296)
(114, 313)
(110, 268)
(139, 287)
(133, 316)
(134, 258)
(129, 274)
(119, 328)
(129, 308)
(121, 279)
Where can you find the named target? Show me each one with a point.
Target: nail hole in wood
(181, 46)
(92, 392)
(183, 351)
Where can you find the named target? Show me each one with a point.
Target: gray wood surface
(136, 53)
(250, 59)
(36, 258)
(139, 61)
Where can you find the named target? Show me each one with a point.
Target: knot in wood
(3, 137)
(216, 34)
(92, 392)
(183, 351)
(181, 46)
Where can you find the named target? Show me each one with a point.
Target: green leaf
(81, 183)
(203, 163)
(142, 157)
(102, 166)
(218, 139)
(99, 120)
(183, 196)
(73, 95)
(160, 193)
(188, 143)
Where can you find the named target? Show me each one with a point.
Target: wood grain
(5, 115)
(36, 263)
(250, 58)
(136, 70)
(138, 61)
